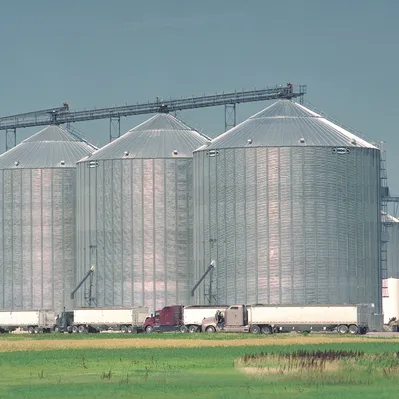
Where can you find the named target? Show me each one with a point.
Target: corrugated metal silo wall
(135, 225)
(289, 225)
(393, 251)
(37, 238)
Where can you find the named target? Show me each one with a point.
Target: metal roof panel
(287, 123)
(51, 147)
(162, 136)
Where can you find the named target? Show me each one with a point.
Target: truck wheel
(192, 329)
(149, 329)
(183, 329)
(353, 329)
(266, 330)
(255, 329)
(210, 329)
(75, 329)
(124, 329)
(342, 329)
(130, 329)
(57, 329)
(82, 329)
(37, 331)
(31, 330)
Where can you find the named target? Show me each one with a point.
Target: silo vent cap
(126, 153)
(354, 142)
(62, 162)
(249, 141)
(302, 140)
(16, 163)
(175, 152)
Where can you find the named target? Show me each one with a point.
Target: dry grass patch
(103, 343)
(318, 364)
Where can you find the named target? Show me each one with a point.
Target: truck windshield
(156, 314)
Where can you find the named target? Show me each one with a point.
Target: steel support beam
(114, 128)
(230, 116)
(11, 138)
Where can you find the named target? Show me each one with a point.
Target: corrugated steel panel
(37, 222)
(159, 137)
(135, 216)
(284, 124)
(288, 225)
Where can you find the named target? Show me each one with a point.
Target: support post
(229, 116)
(11, 138)
(114, 128)
(210, 294)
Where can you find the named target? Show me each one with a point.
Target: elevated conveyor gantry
(62, 115)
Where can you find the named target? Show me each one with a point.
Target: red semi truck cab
(170, 318)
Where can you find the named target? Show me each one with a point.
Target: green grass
(177, 373)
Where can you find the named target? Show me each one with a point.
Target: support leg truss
(230, 116)
(11, 138)
(114, 128)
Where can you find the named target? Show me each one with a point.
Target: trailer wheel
(75, 329)
(210, 329)
(255, 329)
(353, 329)
(37, 331)
(192, 329)
(183, 329)
(82, 329)
(130, 329)
(31, 330)
(149, 329)
(266, 330)
(342, 329)
(124, 329)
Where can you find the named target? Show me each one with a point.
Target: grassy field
(185, 366)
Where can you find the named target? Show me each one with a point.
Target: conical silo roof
(51, 147)
(287, 123)
(161, 136)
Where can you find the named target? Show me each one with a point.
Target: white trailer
(268, 319)
(33, 321)
(193, 316)
(102, 319)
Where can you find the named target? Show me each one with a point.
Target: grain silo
(287, 203)
(390, 290)
(37, 220)
(135, 216)
(392, 247)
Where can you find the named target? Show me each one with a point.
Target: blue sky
(95, 53)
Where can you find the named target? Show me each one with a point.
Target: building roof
(161, 136)
(51, 147)
(284, 124)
